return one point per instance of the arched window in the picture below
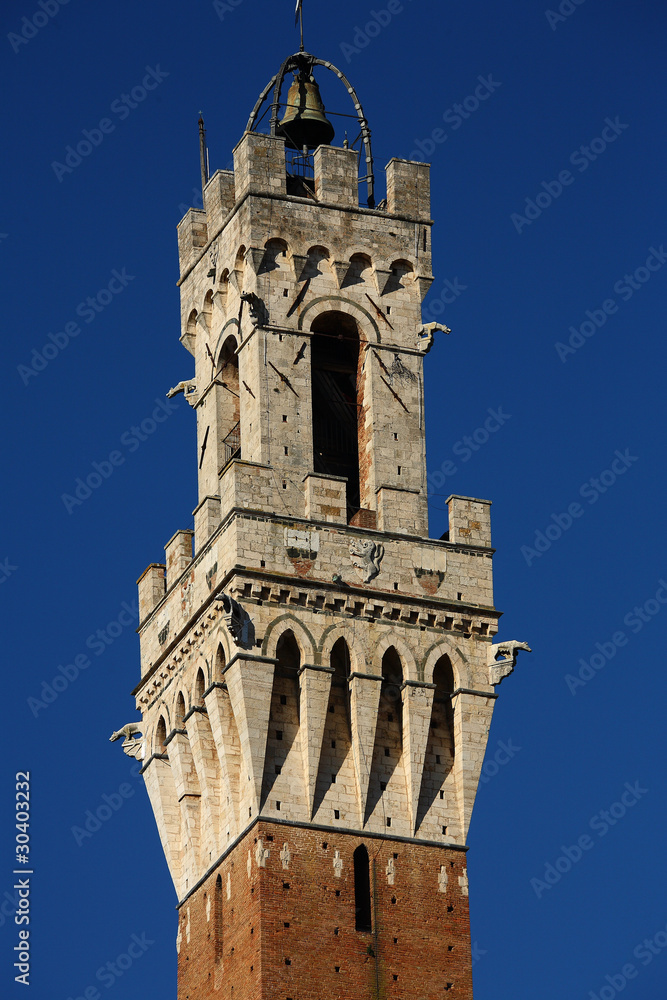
(337, 400)
(391, 699)
(443, 678)
(340, 661)
(362, 890)
(316, 262)
(220, 663)
(207, 308)
(275, 257)
(217, 918)
(437, 809)
(200, 687)
(360, 270)
(229, 400)
(160, 735)
(223, 287)
(284, 718)
(180, 712)
(191, 332)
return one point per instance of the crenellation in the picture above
(219, 199)
(409, 190)
(192, 236)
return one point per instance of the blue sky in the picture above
(545, 129)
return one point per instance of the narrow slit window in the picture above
(362, 890)
(218, 919)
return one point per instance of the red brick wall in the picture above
(419, 944)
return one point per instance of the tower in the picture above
(317, 674)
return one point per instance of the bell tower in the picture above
(317, 674)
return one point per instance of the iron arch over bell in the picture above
(302, 63)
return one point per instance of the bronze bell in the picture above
(305, 122)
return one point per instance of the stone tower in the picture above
(317, 674)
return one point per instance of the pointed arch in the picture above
(219, 664)
(437, 810)
(461, 668)
(283, 735)
(200, 687)
(180, 709)
(387, 767)
(303, 637)
(393, 638)
(160, 736)
(328, 640)
(225, 736)
(336, 763)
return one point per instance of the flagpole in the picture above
(301, 21)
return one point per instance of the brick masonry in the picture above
(286, 927)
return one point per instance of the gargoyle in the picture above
(133, 744)
(237, 621)
(501, 659)
(366, 558)
(189, 389)
(425, 335)
(258, 311)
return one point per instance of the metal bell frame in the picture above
(304, 62)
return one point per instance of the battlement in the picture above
(260, 170)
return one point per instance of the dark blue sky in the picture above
(550, 263)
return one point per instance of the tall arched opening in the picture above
(337, 401)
